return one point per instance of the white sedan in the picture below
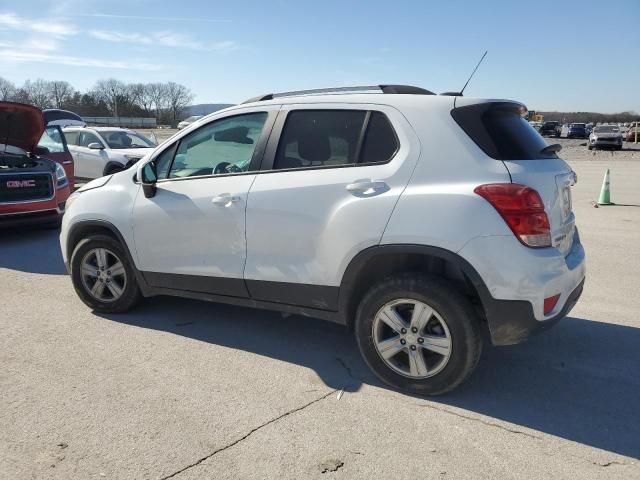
(99, 151)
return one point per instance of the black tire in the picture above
(453, 308)
(130, 293)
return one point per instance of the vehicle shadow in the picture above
(578, 381)
(31, 249)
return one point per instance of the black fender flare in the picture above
(103, 224)
(112, 164)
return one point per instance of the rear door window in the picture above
(334, 138)
(501, 132)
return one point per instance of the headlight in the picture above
(61, 176)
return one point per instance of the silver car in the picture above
(605, 136)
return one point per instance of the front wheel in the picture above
(418, 334)
(103, 276)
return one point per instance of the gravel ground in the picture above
(189, 390)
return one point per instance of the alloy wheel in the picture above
(412, 338)
(103, 275)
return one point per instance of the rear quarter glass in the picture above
(501, 132)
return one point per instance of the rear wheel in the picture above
(418, 334)
(102, 275)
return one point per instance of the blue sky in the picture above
(552, 55)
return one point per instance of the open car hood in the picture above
(21, 125)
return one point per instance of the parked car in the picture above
(416, 219)
(33, 189)
(99, 151)
(631, 134)
(188, 121)
(550, 129)
(574, 130)
(605, 136)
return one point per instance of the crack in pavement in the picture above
(251, 432)
(484, 422)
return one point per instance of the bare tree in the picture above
(61, 92)
(178, 97)
(7, 90)
(38, 93)
(110, 91)
(157, 93)
(145, 98)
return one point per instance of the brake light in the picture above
(523, 210)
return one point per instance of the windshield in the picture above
(577, 125)
(607, 129)
(117, 139)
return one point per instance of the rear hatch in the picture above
(499, 129)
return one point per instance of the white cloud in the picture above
(13, 55)
(162, 38)
(47, 26)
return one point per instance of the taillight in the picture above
(522, 208)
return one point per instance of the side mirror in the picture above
(148, 178)
(95, 146)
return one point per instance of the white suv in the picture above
(99, 151)
(417, 220)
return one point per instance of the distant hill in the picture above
(204, 108)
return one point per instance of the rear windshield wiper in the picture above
(551, 149)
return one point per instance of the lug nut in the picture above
(413, 347)
(414, 329)
(421, 340)
(403, 330)
(402, 341)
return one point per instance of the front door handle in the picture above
(367, 186)
(225, 199)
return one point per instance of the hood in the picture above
(21, 125)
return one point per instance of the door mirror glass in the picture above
(95, 146)
(149, 178)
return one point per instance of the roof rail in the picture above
(390, 89)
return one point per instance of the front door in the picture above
(191, 234)
(90, 162)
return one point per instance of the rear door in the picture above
(331, 178)
(499, 129)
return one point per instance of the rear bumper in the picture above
(512, 321)
(518, 279)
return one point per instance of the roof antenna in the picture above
(474, 71)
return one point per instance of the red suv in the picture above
(33, 188)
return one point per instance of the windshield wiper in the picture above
(550, 149)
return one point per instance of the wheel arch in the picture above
(375, 263)
(84, 228)
(112, 166)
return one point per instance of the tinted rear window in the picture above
(501, 132)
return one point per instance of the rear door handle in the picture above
(367, 186)
(225, 199)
